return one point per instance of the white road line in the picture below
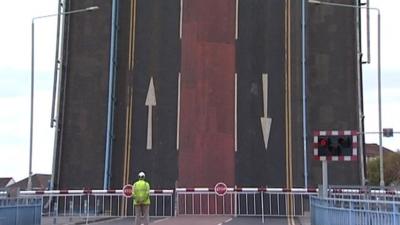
(180, 20)
(158, 221)
(228, 220)
(235, 112)
(237, 20)
(265, 93)
(107, 221)
(178, 114)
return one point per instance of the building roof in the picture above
(4, 181)
(39, 182)
(372, 150)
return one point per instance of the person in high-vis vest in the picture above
(141, 199)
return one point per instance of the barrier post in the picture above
(236, 201)
(56, 211)
(350, 212)
(17, 212)
(395, 211)
(176, 203)
(262, 206)
(324, 179)
(86, 208)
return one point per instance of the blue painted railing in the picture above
(334, 211)
(20, 211)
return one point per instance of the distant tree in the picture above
(373, 172)
(392, 168)
(391, 163)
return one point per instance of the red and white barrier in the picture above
(208, 190)
(262, 189)
(87, 191)
(296, 190)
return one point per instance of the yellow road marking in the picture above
(130, 40)
(124, 178)
(286, 97)
(132, 36)
(290, 96)
(291, 204)
(126, 139)
(130, 133)
(127, 147)
(288, 113)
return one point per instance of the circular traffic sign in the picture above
(220, 189)
(127, 190)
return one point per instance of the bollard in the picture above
(87, 210)
(56, 212)
(98, 207)
(85, 207)
(176, 204)
(262, 207)
(71, 210)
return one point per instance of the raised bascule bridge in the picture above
(248, 93)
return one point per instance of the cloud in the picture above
(15, 44)
(15, 64)
(14, 135)
(389, 35)
(13, 161)
(390, 96)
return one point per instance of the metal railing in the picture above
(244, 202)
(20, 211)
(3, 194)
(337, 211)
(365, 193)
(254, 202)
(98, 203)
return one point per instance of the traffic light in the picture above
(388, 132)
(335, 145)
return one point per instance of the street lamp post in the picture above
(29, 185)
(382, 182)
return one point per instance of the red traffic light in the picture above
(335, 145)
(323, 142)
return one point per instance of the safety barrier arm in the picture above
(87, 191)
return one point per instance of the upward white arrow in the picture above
(150, 102)
(265, 120)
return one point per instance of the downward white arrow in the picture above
(265, 120)
(150, 102)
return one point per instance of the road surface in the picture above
(210, 220)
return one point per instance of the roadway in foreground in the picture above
(208, 220)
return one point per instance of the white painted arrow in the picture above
(265, 120)
(150, 102)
